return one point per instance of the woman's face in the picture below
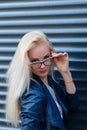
(37, 54)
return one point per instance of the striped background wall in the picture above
(65, 23)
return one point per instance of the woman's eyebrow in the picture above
(37, 59)
(34, 59)
(48, 54)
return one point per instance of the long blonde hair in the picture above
(19, 73)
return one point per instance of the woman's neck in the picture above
(45, 80)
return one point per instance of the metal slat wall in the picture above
(65, 23)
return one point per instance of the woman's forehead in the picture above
(39, 50)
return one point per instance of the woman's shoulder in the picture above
(33, 100)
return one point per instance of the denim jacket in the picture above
(38, 109)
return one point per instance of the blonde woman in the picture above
(32, 90)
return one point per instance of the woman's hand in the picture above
(62, 61)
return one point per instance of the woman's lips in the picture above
(43, 71)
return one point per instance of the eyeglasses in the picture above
(37, 64)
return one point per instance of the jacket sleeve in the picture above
(32, 109)
(70, 100)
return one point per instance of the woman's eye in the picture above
(34, 60)
(46, 57)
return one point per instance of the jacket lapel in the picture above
(55, 85)
(52, 112)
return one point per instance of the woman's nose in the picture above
(42, 65)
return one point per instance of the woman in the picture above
(43, 104)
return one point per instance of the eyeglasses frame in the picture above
(41, 62)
